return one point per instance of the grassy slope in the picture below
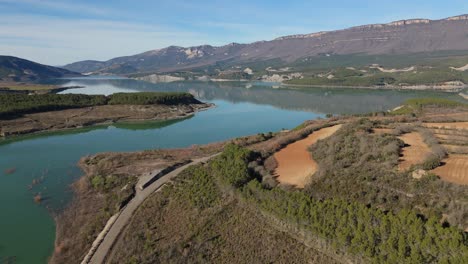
(431, 68)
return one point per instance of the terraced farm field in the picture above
(454, 169)
(451, 125)
(414, 152)
(295, 163)
(453, 137)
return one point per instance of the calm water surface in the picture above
(27, 229)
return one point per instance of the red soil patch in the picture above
(454, 170)
(416, 151)
(295, 163)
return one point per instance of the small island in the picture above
(24, 114)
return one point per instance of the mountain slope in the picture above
(400, 37)
(17, 69)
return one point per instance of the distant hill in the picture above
(21, 70)
(399, 37)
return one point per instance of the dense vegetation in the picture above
(147, 98)
(12, 105)
(366, 233)
(415, 105)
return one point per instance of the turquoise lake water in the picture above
(27, 229)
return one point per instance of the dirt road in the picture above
(104, 248)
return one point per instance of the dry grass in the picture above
(383, 130)
(295, 164)
(454, 169)
(414, 152)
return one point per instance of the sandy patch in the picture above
(394, 70)
(415, 152)
(454, 170)
(295, 163)
(463, 68)
(452, 125)
(465, 96)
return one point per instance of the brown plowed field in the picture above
(454, 170)
(416, 151)
(295, 163)
(452, 125)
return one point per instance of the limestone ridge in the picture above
(398, 37)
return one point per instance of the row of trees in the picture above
(148, 98)
(12, 105)
(368, 233)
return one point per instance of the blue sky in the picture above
(57, 32)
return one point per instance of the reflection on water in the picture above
(318, 100)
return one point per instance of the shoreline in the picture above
(189, 111)
(39, 90)
(72, 219)
(419, 87)
(457, 89)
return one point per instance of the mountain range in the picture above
(13, 69)
(399, 37)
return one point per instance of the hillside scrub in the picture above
(13, 105)
(365, 232)
(417, 105)
(198, 219)
(359, 165)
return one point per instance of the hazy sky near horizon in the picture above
(57, 32)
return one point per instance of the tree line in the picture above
(13, 105)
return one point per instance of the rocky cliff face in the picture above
(399, 37)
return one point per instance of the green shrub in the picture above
(98, 182)
(232, 165)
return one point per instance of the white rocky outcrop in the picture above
(463, 68)
(156, 78)
(248, 71)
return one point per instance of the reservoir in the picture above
(46, 163)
